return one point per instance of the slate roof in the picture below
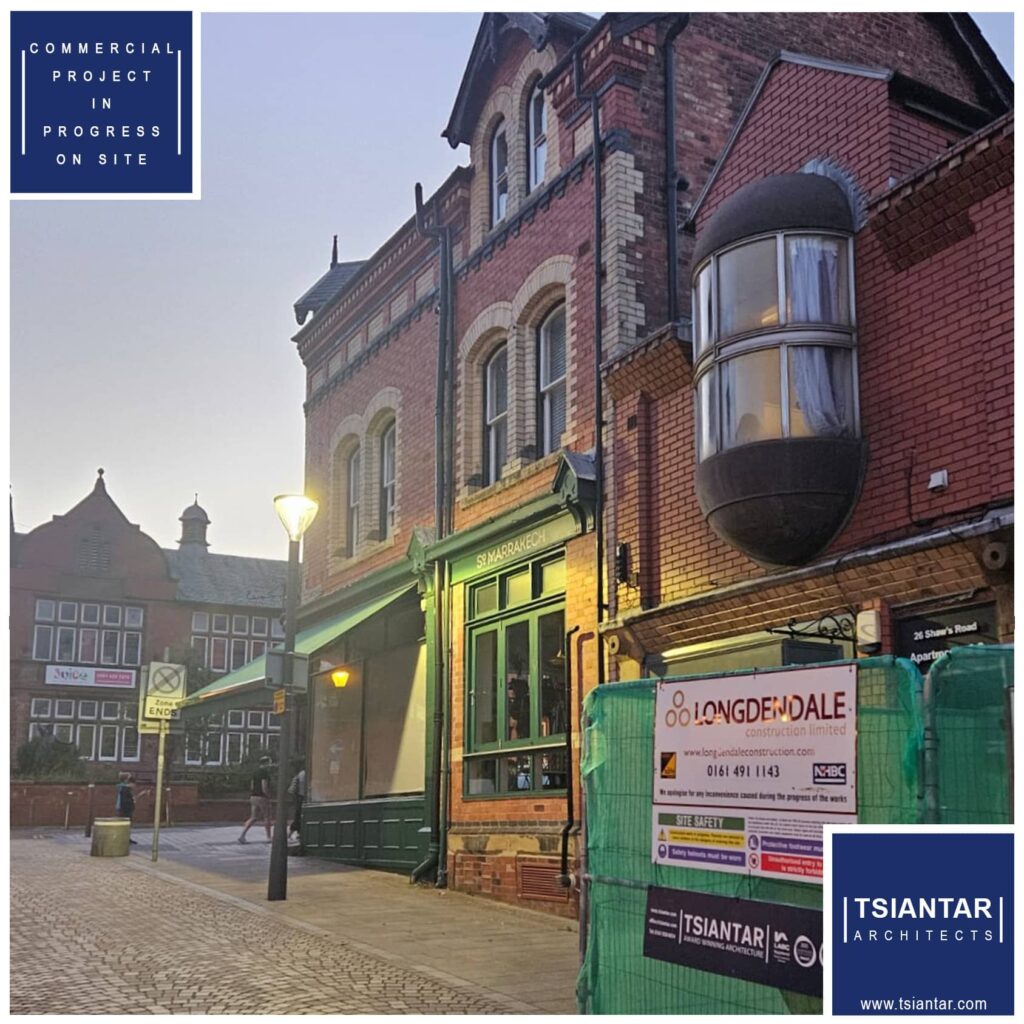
(327, 288)
(207, 578)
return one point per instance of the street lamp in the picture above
(296, 512)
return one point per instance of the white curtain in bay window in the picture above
(821, 375)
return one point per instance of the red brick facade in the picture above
(932, 334)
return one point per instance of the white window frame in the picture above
(90, 754)
(130, 617)
(63, 707)
(546, 388)
(388, 479)
(492, 471)
(112, 615)
(103, 647)
(243, 628)
(234, 663)
(353, 468)
(222, 666)
(38, 632)
(214, 747)
(253, 742)
(260, 625)
(259, 648)
(64, 731)
(40, 707)
(89, 614)
(235, 739)
(254, 720)
(273, 722)
(499, 177)
(193, 747)
(95, 633)
(205, 645)
(106, 715)
(44, 615)
(62, 633)
(125, 756)
(538, 136)
(276, 629)
(218, 616)
(100, 733)
(124, 649)
(236, 719)
(72, 615)
(88, 709)
(200, 622)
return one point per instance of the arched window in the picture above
(353, 496)
(495, 415)
(537, 137)
(499, 173)
(551, 381)
(387, 481)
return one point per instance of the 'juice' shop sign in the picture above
(749, 768)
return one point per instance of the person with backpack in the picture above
(297, 790)
(259, 798)
(124, 797)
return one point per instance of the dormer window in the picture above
(499, 174)
(537, 137)
(775, 367)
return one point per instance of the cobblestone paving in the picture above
(95, 935)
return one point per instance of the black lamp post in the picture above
(296, 512)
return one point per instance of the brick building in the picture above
(94, 599)
(483, 554)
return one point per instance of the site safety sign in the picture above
(749, 767)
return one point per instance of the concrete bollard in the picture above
(110, 837)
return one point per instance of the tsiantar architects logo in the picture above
(922, 922)
(101, 102)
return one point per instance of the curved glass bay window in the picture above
(779, 456)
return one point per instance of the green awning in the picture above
(251, 677)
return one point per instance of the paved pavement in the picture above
(195, 934)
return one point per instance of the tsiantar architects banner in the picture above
(101, 102)
(748, 769)
(769, 943)
(922, 923)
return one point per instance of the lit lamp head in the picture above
(296, 512)
(340, 677)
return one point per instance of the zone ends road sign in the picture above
(165, 690)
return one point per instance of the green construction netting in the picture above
(617, 768)
(973, 689)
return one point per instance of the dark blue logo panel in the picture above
(922, 923)
(101, 102)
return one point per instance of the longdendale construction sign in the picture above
(747, 769)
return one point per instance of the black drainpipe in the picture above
(564, 878)
(672, 179)
(595, 120)
(444, 312)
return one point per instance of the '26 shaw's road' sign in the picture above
(769, 943)
(748, 768)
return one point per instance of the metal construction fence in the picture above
(968, 757)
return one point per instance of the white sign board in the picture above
(165, 690)
(76, 675)
(747, 769)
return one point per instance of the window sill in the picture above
(341, 563)
(470, 498)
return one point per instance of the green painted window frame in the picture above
(500, 622)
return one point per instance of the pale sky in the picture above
(153, 338)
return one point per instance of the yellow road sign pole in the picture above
(159, 789)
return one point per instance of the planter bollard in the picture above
(110, 837)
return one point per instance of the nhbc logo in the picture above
(829, 773)
(922, 919)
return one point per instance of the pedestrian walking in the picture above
(297, 790)
(259, 798)
(124, 797)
